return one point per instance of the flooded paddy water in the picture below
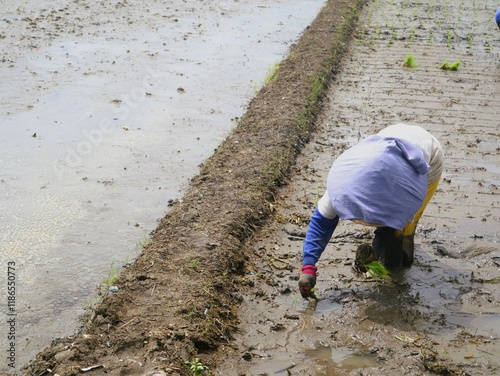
(107, 109)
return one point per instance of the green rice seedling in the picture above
(416, 9)
(394, 36)
(453, 67)
(448, 39)
(377, 270)
(459, 15)
(470, 40)
(429, 7)
(417, 298)
(376, 34)
(313, 300)
(412, 35)
(410, 62)
(362, 34)
(197, 367)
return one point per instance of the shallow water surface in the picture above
(347, 359)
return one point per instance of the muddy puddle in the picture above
(344, 357)
(107, 111)
(442, 315)
(330, 359)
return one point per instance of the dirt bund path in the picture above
(179, 299)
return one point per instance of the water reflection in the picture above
(344, 358)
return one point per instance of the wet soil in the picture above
(218, 281)
(441, 316)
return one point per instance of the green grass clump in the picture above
(272, 73)
(410, 62)
(377, 270)
(447, 66)
(197, 367)
(114, 270)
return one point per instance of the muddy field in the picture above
(219, 280)
(442, 316)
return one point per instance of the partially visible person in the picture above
(385, 181)
(497, 17)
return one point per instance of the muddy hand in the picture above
(306, 284)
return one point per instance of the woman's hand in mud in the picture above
(306, 284)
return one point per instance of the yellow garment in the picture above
(411, 226)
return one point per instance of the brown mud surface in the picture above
(219, 279)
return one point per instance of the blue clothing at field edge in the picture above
(317, 237)
(497, 17)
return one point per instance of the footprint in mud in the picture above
(471, 251)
